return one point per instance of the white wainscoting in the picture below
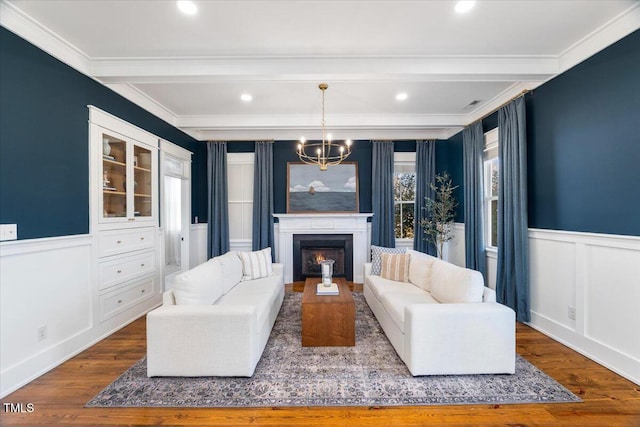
(599, 276)
(453, 251)
(48, 282)
(198, 247)
(44, 282)
(241, 245)
(198, 244)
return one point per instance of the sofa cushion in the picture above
(453, 284)
(395, 267)
(231, 270)
(199, 286)
(256, 264)
(376, 251)
(379, 286)
(259, 293)
(395, 302)
(420, 269)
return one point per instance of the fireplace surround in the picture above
(354, 224)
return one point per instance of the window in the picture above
(491, 175)
(240, 193)
(404, 194)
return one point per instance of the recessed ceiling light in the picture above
(246, 97)
(401, 96)
(187, 7)
(465, 6)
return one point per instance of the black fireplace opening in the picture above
(310, 249)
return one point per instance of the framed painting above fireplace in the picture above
(310, 190)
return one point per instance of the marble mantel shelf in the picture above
(323, 223)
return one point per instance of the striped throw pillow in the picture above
(375, 257)
(256, 265)
(395, 267)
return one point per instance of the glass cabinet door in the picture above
(114, 177)
(142, 182)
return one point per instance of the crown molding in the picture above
(617, 28)
(143, 100)
(496, 102)
(18, 22)
(288, 134)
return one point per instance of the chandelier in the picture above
(325, 153)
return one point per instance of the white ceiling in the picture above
(191, 70)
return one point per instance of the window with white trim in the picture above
(404, 194)
(240, 196)
(491, 176)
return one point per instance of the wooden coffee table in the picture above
(328, 320)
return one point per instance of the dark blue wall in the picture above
(584, 145)
(449, 160)
(44, 160)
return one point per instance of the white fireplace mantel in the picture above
(322, 223)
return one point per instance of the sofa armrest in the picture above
(465, 338)
(367, 270)
(489, 295)
(202, 340)
(168, 298)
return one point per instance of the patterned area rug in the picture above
(369, 374)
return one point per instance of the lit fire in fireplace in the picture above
(317, 257)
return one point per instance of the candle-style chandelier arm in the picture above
(312, 153)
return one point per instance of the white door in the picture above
(175, 219)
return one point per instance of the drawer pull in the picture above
(142, 238)
(142, 291)
(141, 265)
(119, 301)
(119, 271)
(119, 241)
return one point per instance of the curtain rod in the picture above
(522, 93)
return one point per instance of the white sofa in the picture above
(443, 321)
(213, 323)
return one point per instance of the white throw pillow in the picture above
(452, 284)
(395, 267)
(231, 270)
(420, 268)
(257, 264)
(199, 286)
(376, 251)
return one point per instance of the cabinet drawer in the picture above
(122, 241)
(123, 269)
(116, 302)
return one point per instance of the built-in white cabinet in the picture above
(128, 178)
(124, 199)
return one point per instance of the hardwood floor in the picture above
(59, 396)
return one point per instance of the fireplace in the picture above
(310, 249)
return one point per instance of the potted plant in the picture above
(440, 213)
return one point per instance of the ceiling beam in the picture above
(382, 68)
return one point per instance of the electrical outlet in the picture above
(571, 312)
(8, 232)
(42, 333)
